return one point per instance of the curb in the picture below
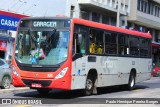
(13, 89)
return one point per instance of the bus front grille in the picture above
(44, 83)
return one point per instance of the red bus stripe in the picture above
(110, 28)
(12, 14)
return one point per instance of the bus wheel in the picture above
(43, 91)
(6, 82)
(89, 85)
(131, 82)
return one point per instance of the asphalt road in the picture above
(147, 89)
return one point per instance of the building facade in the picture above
(145, 16)
(8, 26)
(105, 11)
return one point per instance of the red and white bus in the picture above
(63, 53)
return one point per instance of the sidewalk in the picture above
(12, 88)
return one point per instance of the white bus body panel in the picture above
(110, 70)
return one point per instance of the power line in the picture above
(24, 2)
(29, 9)
(14, 5)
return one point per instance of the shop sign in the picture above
(8, 22)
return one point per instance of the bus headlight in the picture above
(62, 73)
(15, 72)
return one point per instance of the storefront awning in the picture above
(156, 44)
(6, 38)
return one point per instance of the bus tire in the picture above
(89, 85)
(6, 82)
(43, 91)
(131, 82)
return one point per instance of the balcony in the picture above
(145, 13)
(110, 5)
(148, 19)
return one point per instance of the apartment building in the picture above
(145, 16)
(105, 11)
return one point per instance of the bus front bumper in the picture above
(41, 83)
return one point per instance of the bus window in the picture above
(123, 46)
(96, 41)
(110, 43)
(79, 43)
(79, 39)
(144, 47)
(134, 46)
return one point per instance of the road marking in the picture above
(14, 89)
(23, 106)
(137, 90)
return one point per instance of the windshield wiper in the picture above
(32, 36)
(52, 33)
(48, 39)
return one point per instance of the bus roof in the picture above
(110, 28)
(96, 25)
(36, 18)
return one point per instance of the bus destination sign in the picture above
(44, 24)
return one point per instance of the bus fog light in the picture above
(62, 73)
(15, 72)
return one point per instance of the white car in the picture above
(5, 75)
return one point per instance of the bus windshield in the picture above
(41, 47)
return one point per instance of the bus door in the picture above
(79, 58)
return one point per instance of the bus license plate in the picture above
(36, 85)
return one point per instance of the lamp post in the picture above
(118, 12)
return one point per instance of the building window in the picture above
(85, 14)
(105, 19)
(145, 7)
(138, 5)
(129, 25)
(157, 10)
(113, 21)
(149, 7)
(72, 11)
(95, 17)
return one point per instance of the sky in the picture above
(34, 7)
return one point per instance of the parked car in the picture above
(156, 70)
(5, 75)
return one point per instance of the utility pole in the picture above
(118, 12)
